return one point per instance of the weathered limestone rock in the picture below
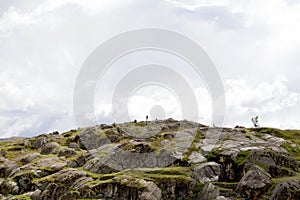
(254, 183)
(24, 181)
(99, 166)
(206, 172)
(60, 183)
(286, 190)
(45, 162)
(274, 140)
(151, 191)
(79, 161)
(8, 187)
(56, 167)
(74, 145)
(159, 159)
(39, 142)
(91, 138)
(141, 146)
(196, 157)
(68, 152)
(35, 195)
(51, 147)
(7, 167)
(147, 190)
(29, 158)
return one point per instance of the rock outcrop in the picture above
(286, 190)
(162, 159)
(207, 172)
(254, 183)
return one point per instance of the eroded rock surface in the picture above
(162, 159)
(207, 172)
(286, 190)
(254, 183)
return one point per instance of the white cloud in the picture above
(273, 102)
(17, 125)
(144, 100)
(269, 100)
(13, 18)
(43, 45)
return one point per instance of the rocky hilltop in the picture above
(163, 159)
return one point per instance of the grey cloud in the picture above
(39, 61)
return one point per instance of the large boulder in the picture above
(68, 152)
(206, 172)
(273, 161)
(286, 190)
(254, 183)
(51, 147)
(29, 158)
(46, 162)
(39, 142)
(91, 138)
(99, 166)
(7, 167)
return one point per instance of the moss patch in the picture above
(242, 157)
(213, 155)
(21, 197)
(197, 188)
(166, 170)
(285, 178)
(290, 148)
(248, 136)
(292, 135)
(198, 136)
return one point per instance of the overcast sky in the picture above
(254, 44)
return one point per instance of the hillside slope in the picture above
(164, 159)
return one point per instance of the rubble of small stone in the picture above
(162, 159)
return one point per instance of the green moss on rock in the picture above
(242, 157)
